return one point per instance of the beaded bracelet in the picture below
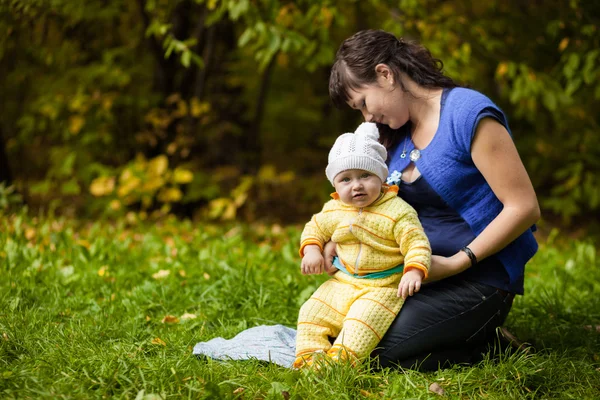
(471, 255)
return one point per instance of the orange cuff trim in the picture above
(417, 266)
(308, 242)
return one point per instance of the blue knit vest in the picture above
(447, 166)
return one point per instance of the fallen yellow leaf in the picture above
(158, 340)
(189, 316)
(206, 276)
(163, 273)
(170, 319)
(29, 233)
(182, 273)
(148, 318)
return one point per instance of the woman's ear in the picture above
(384, 74)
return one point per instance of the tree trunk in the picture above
(5, 173)
(167, 69)
(207, 55)
(164, 68)
(252, 144)
(191, 74)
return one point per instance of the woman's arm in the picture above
(496, 157)
(328, 253)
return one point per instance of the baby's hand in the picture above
(410, 283)
(312, 262)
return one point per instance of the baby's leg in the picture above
(368, 319)
(321, 317)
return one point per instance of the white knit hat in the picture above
(358, 150)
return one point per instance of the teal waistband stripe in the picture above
(375, 275)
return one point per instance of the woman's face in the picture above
(383, 101)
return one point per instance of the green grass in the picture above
(80, 317)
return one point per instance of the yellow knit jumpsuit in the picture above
(358, 311)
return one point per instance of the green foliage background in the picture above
(219, 108)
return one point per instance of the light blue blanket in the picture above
(272, 343)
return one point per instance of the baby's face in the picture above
(357, 187)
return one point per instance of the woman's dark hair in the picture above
(358, 55)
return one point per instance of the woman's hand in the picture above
(328, 253)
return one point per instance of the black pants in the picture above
(447, 322)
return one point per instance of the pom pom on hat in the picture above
(369, 130)
(359, 150)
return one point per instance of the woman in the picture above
(452, 155)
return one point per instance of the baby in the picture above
(382, 254)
